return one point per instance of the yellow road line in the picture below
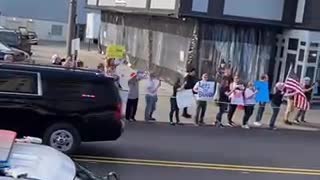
(196, 164)
(198, 167)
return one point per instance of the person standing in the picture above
(276, 101)
(189, 82)
(174, 109)
(153, 86)
(262, 97)
(236, 98)
(223, 101)
(249, 103)
(300, 117)
(201, 105)
(133, 97)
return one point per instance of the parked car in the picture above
(33, 38)
(26, 159)
(63, 106)
(12, 54)
(15, 40)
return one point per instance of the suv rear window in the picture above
(18, 82)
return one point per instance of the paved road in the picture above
(159, 151)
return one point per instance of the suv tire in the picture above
(63, 137)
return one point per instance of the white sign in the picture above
(206, 91)
(75, 45)
(185, 99)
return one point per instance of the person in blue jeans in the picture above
(153, 85)
(276, 102)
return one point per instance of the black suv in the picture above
(62, 106)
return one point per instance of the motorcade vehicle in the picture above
(63, 106)
(12, 54)
(26, 159)
(15, 40)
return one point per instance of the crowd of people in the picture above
(230, 94)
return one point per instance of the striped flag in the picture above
(292, 84)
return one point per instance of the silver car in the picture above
(27, 159)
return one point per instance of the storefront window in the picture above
(310, 72)
(301, 55)
(312, 57)
(293, 44)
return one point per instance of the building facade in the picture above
(253, 36)
(48, 18)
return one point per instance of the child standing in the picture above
(249, 103)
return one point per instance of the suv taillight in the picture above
(118, 114)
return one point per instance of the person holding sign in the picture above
(236, 98)
(206, 91)
(263, 97)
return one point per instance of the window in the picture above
(291, 61)
(281, 52)
(299, 70)
(279, 71)
(312, 58)
(293, 44)
(310, 72)
(18, 82)
(313, 44)
(301, 55)
(303, 43)
(56, 30)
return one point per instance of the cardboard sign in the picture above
(185, 99)
(263, 95)
(116, 51)
(206, 91)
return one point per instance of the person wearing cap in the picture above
(308, 87)
(133, 96)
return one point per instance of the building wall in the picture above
(46, 30)
(48, 10)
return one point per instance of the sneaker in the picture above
(297, 121)
(133, 120)
(152, 119)
(258, 124)
(245, 126)
(188, 116)
(287, 122)
(228, 125)
(172, 124)
(272, 128)
(180, 124)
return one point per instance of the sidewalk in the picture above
(45, 50)
(163, 108)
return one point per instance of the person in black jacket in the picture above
(174, 105)
(189, 82)
(223, 101)
(276, 102)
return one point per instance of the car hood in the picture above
(41, 162)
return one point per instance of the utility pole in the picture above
(71, 25)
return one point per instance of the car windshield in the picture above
(9, 38)
(84, 174)
(4, 47)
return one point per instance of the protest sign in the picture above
(185, 99)
(116, 51)
(206, 91)
(263, 95)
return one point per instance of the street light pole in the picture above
(71, 25)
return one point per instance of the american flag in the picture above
(292, 85)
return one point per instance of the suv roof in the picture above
(51, 68)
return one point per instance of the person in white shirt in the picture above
(236, 98)
(153, 86)
(249, 103)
